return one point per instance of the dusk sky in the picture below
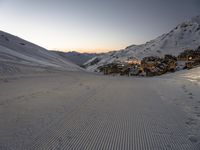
(93, 25)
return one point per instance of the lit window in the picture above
(190, 58)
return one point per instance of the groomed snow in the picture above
(74, 110)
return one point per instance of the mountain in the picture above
(185, 36)
(76, 57)
(18, 55)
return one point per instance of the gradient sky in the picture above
(93, 25)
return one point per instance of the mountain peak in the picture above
(196, 19)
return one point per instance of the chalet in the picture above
(135, 70)
(171, 62)
(112, 68)
(191, 58)
(132, 67)
(192, 64)
(189, 55)
(125, 71)
(153, 66)
(149, 65)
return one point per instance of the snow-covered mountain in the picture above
(18, 55)
(184, 36)
(76, 57)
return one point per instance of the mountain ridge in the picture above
(184, 36)
(17, 54)
(76, 57)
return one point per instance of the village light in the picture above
(190, 58)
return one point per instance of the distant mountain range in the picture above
(18, 55)
(184, 36)
(76, 57)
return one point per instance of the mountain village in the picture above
(153, 65)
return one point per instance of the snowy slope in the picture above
(184, 36)
(182, 90)
(16, 52)
(84, 111)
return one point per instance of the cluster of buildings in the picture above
(190, 57)
(154, 66)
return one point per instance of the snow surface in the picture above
(16, 52)
(77, 110)
(184, 36)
